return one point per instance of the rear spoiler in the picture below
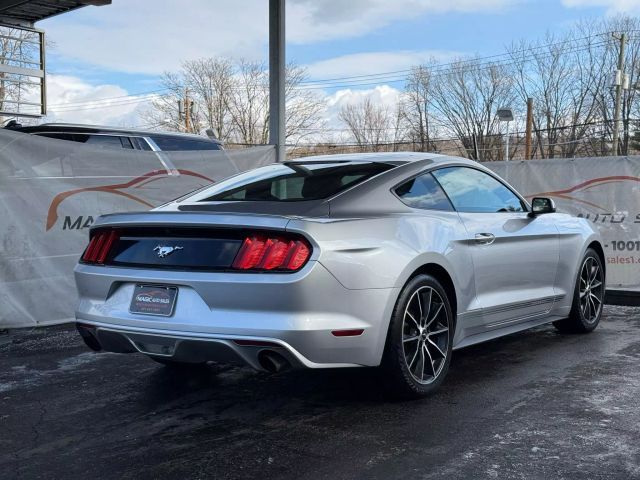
(192, 219)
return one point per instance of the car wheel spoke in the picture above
(434, 345)
(438, 332)
(427, 308)
(415, 355)
(433, 368)
(419, 298)
(413, 319)
(594, 272)
(591, 291)
(420, 371)
(435, 315)
(425, 334)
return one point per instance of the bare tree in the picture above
(248, 103)
(304, 109)
(467, 96)
(563, 75)
(163, 113)
(209, 81)
(18, 48)
(416, 106)
(232, 99)
(370, 125)
(606, 95)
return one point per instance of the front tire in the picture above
(588, 297)
(419, 343)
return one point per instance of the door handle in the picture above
(485, 238)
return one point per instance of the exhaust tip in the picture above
(273, 362)
(88, 335)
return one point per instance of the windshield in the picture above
(293, 181)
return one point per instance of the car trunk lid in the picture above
(200, 241)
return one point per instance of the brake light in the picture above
(261, 252)
(99, 247)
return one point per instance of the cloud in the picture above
(73, 100)
(371, 62)
(379, 95)
(612, 6)
(318, 20)
(76, 101)
(151, 36)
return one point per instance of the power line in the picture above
(386, 77)
(458, 62)
(472, 64)
(456, 67)
(107, 99)
(104, 106)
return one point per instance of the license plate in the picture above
(154, 300)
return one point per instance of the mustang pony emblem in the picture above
(164, 251)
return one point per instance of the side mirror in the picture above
(541, 205)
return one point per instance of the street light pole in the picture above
(619, 80)
(506, 146)
(506, 115)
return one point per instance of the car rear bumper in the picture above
(178, 346)
(218, 315)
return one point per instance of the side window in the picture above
(172, 144)
(126, 143)
(424, 192)
(141, 143)
(100, 141)
(59, 136)
(471, 190)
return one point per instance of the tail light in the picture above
(262, 252)
(99, 247)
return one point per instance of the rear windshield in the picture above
(294, 181)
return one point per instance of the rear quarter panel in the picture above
(383, 252)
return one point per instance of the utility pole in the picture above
(527, 150)
(476, 151)
(619, 81)
(187, 113)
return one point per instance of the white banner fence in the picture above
(605, 190)
(52, 190)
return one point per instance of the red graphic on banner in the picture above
(586, 185)
(116, 189)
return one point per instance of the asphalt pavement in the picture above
(535, 405)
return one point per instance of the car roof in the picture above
(77, 128)
(393, 158)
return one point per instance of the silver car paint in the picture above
(367, 244)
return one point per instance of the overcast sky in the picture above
(121, 49)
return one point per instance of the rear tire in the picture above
(419, 343)
(588, 297)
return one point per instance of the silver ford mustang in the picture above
(390, 260)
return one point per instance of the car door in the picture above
(515, 256)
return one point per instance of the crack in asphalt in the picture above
(35, 427)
